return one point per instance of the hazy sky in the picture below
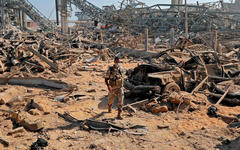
(47, 7)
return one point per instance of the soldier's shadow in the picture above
(104, 106)
(104, 103)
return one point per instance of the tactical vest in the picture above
(115, 78)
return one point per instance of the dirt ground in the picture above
(187, 130)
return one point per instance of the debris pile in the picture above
(39, 52)
(187, 70)
(28, 52)
(175, 101)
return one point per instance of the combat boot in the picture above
(119, 114)
(109, 108)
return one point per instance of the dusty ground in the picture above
(187, 130)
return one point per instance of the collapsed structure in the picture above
(157, 18)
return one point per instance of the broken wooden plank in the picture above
(34, 65)
(130, 109)
(45, 59)
(223, 96)
(218, 78)
(135, 103)
(162, 127)
(199, 85)
(233, 101)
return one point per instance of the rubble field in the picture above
(53, 94)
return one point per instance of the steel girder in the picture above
(158, 18)
(31, 11)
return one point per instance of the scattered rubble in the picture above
(4, 142)
(27, 121)
(17, 130)
(40, 143)
(2, 101)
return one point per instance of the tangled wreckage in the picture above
(186, 70)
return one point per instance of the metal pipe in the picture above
(146, 39)
(186, 20)
(57, 10)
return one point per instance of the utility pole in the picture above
(146, 39)
(64, 16)
(216, 41)
(171, 41)
(57, 10)
(186, 20)
(2, 24)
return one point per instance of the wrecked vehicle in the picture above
(181, 71)
(176, 71)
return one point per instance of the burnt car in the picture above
(174, 71)
(183, 71)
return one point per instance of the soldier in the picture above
(114, 82)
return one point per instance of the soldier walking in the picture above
(114, 82)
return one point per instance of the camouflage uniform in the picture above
(116, 82)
